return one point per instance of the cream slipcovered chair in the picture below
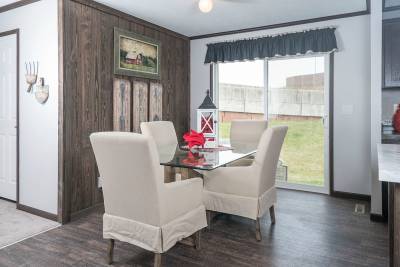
(163, 133)
(247, 191)
(139, 208)
(243, 131)
(246, 132)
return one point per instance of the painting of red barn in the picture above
(136, 55)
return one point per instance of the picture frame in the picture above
(390, 5)
(136, 55)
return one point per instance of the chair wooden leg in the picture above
(157, 259)
(196, 240)
(110, 251)
(272, 214)
(209, 217)
(258, 230)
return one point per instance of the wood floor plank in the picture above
(311, 230)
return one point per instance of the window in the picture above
(285, 91)
(240, 94)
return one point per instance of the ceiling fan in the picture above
(206, 6)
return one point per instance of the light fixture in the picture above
(205, 5)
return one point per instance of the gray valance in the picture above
(298, 43)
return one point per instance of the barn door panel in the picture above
(122, 105)
(155, 112)
(140, 104)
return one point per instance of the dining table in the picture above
(193, 162)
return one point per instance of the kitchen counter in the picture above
(389, 173)
(393, 138)
(389, 163)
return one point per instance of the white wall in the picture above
(38, 123)
(376, 102)
(352, 148)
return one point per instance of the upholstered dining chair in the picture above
(163, 132)
(164, 135)
(246, 132)
(139, 208)
(247, 191)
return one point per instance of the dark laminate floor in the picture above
(311, 230)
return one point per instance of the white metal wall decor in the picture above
(42, 92)
(207, 119)
(31, 74)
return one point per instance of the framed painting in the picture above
(136, 55)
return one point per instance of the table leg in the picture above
(178, 174)
(169, 174)
(189, 173)
(172, 174)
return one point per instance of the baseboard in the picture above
(6, 199)
(40, 213)
(350, 195)
(84, 212)
(378, 218)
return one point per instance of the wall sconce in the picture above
(41, 92)
(31, 74)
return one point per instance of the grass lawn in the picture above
(302, 152)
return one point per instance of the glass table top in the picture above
(200, 159)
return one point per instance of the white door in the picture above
(8, 117)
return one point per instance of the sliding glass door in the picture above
(285, 91)
(298, 97)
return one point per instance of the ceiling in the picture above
(184, 16)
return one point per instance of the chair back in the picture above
(131, 175)
(247, 131)
(163, 133)
(267, 156)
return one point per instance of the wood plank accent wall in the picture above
(87, 90)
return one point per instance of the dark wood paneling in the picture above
(140, 25)
(391, 53)
(88, 90)
(394, 224)
(391, 224)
